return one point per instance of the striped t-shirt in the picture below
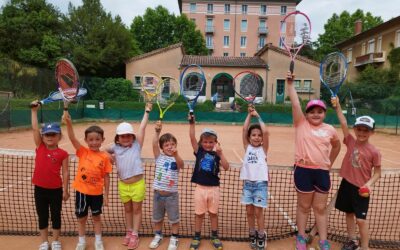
(166, 174)
(128, 160)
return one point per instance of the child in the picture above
(50, 189)
(90, 180)
(254, 173)
(361, 157)
(166, 198)
(131, 186)
(209, 157)
(316, 148)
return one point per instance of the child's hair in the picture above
(207, 135)
(116, 138)
(253, 126)
(166, 138)
(94, 129)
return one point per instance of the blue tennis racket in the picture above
(57, 96)
(192, 81)
(333, 71)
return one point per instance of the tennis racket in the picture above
(167, 93)
(353, 108)
(67, 78)
(192, 81)
(57, 96)
(150, 82)
(295, 33)
(333, 71)
(247, 85)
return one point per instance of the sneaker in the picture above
(156, 241)
(253, 241)
(56, 245)
(44, 246)
(99, 245)
(80, 246)
(301, 243)
(134, 242)
(217, 244)
(195, 244)
(127, 238)
(173, 243)
(351, 245)
(324, 245)
(261, 242)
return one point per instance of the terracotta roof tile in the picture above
(224, 61)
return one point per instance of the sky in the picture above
(319, 11)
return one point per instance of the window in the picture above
(210, 8)
(226, 54)
(349, 55)
(227, 24)
(263, 23)
(261, 41)
(397, 39)
(283, 27)
(371, 46)
(209, 42)
(192, 7)
(244, 9)
(297, 84)
(283, 10)
(242, 54)
(363, 49)
(379, 44)
(307, 84)
(226, 41)
(281, 43)
(209, 25)
(263, 9)
(243, 41)
(136, 80)
(227, 8)
(243, 26)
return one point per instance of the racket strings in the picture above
(149, 86)
(249, 85)
(193, 84)
(168, 92)
(334, 70)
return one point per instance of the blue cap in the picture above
(51, 128)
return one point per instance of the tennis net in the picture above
(18, 214)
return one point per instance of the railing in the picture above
(378, 57)
(209, 29)
(262, 30)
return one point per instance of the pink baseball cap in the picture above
(313, 103)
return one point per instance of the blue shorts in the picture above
(84, 201)
(255, 193)
(166, 203)
(310, 180)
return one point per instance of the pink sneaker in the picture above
(133, 242)
(300, 243)
(127, 238)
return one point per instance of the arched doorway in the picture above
(222, 86)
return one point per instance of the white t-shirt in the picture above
(255, 166)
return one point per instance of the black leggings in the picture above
(45, 199)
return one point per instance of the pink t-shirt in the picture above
(358, 162)
(313, 144)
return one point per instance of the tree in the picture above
(158, 28)
(340, 28)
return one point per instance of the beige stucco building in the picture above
(270, 63)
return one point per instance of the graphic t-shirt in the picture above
(255, 166)
(206, 169)
(166, 174)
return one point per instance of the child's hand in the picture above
(290, 77)
(250, 108)
(66, 118)
(335, 101)
(218, 149)
(35, 105)
(174, 152)
(158, 126)
(65, 195)
(149, 106)
(191, 118)
(254, 113)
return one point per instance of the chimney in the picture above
(357, 27)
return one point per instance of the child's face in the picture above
(94, 141)
(126, 140)
(169, 148)
(51, 139)
(208, 143)
(362, 133)
(316, 116)
(256, 137)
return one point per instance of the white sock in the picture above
(98, 237)
(82, 239)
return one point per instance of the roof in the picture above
(155, 52)
(269, 46)
(224, 61)
(370, 32)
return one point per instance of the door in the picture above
(280, 91)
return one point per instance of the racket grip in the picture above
(291, 67)
(33, 105)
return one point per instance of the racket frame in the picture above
(246, 99)
(191, 102)
(159, 92)
(72, 92)
(334, 90)
(150, 96)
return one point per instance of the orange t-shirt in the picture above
(92, 168)
(313, 144)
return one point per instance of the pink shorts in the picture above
(206, 199)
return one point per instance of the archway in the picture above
(223, 87)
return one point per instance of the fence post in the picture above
(397, 117)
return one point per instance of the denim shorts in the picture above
(255, 193)
(166, 203)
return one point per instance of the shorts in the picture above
(349, 201)
(84, 201)
(206, 199)
(166, 203)
(255, 193)
(310, 180)
(132, 192)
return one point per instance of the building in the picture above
(370, 47)
(238, 28)
(270, 63)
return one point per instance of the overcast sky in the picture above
(318, 10)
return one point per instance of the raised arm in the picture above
(264, 130)
(246, 125)
(68, 121)
(143, 124)
(156, 137)
(297, 113)
(343, 122)
(224, 163)
(35, 125)
(192, 134)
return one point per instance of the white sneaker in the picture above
(56, 245)
(44, 246)
(98, 245)
(80, 246)
(156, 241)
(173, 243)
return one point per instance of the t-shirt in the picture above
(255, 166)
(166, 174)
(358, 161)
(128, 160)
(92, 167)
(313, 144)
(48, 163)
(206, 169)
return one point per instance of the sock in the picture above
(135, 233)
(260, 234)
(129, 232)
(214, 234)
(197, 235)
(175, 235)
(98, 237)
(82, 239)
(159, 232)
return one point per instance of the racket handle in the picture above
(291, 67)
(191, 119)
(34, 105)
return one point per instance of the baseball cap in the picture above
(315, 103)
(124, 128)
(365, 121)
(51, 128)
(209, 131)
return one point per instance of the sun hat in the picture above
(124, 128)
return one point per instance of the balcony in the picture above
(370, 58)
(262, 31)
(209, 29)
(210, 46)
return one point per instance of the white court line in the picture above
(387, 149)
(395, 162)
(237, 155)
(19, 182)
